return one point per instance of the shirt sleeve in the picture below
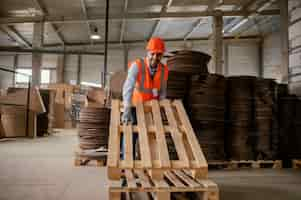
(163, 91)
(129, 85)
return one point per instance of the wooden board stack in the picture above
(151, 131)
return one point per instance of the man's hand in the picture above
(127, 116)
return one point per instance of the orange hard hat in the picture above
(156, 45)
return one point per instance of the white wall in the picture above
(272, 57)
(6, 78)
(243, 59)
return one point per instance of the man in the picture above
(146, 79)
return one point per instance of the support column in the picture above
(126, 57)
(283, 4)
(37, 42)
(79, 69)
(260, 59)
(60, 68)
(15, 68)
(217, 42)
(226, 61)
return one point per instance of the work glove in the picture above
(127, 116)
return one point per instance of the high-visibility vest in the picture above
(147, 88)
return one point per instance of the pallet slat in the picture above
(130, 179)
(144, 180)
(206, 189)
(143, 138)
(155, 121)
(175, 133)
(172, 178)
(196, 149)
(160, 135)
(128, 157)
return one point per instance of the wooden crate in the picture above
(138, 182)
(90, 158)
(255, 164)
(155, 119)
(296, 164)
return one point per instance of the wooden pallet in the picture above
(296, 164)
(152, 130)
(135, 183)
(90, 158)
(255, 164)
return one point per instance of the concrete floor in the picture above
(42, 169)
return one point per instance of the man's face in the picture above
(154, 58)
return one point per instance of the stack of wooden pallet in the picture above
(155, 171)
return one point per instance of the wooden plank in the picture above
(175, 133)
(128, 137)
(174, 164)
(160, 135)
(161, 184)
(114, 137)
(130, 179)
(143, 137)
(192, 139)
(143, 178)
(114, 196)
(188, 180)
(175, 180)
(20, 98)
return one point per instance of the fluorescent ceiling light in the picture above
(95, 37)
(90, 84)
(242, 22)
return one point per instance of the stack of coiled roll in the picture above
(207, 110)
(182, 65)
(93, 128)
(242, 136)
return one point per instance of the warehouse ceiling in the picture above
(71, 22)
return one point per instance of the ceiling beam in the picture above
(44, 10)
(85, 12)
(15, 35)
(122, 28)
(48, 51)
(214, 3)
(165, 6)
(194, 27)
(133, 42)
(132, 16)
(262, 6)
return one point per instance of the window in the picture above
(45, 76)
(21, 78)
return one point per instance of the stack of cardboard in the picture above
(62, 104)
(14, 112)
